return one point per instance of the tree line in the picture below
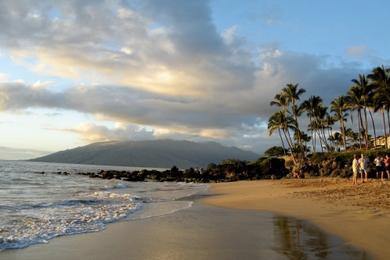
(353, 113)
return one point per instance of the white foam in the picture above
(65, 219)
(35, 208)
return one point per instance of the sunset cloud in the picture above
(163, 65)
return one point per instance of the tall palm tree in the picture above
(371, 109)
(311, 105)
(352, 136)
(283, 123)
(329, 121)
(339, 107)
(322, 123)
(293, 93)
(275, 123)
(365, 90)
(355, 104)
(280, 101)
(380, 79)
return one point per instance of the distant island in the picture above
(153, 153)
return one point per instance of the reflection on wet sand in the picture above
(298, 239)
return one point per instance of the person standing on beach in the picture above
(386, 162)
(378, 161)
(355, 169)
(363, 168)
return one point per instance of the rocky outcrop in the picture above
(229, 170)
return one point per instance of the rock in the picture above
(335, 173)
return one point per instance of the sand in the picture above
(359, 214)
(198, 233)
(237, 223)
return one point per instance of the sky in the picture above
(77, 72)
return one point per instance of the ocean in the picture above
(37, 204)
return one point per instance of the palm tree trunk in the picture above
(287, 140)
(313, 142)
(297, 124)
(320, 139)
(281, 139)
(384, 127)
(291, 140)
(343, 133)
(312, 138)
(359, 133)
(362, 127)
(373, 126)
(388, 122)
(325, 141)
(330, 136)
(352, 125)
(289, 144)
(366, 126)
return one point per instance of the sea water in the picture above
(36, 204)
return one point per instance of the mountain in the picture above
(154, 153)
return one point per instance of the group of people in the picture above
(360, 166)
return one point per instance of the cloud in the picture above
(223, 115)
(159, 64)
(7, 153)
(97, 133)
(358, 51)
(151, 46)
(3, 77)
(124, 104)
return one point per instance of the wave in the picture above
(66, 217)
(36, 208)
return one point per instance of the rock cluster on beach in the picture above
(326, 168)
(337, 164)
(229, 170)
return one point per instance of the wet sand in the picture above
(358, 214)
(200, 232)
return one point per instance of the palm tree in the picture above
(352, 136)
(328, 122)
(292, 92)
(371, 109)
(381, 101)
(380, 80)
(275, 123)
(322, 124)
(339, 107)
(280, 101)
(365, 90)
(283, 123)
(311, 106)
(337, 139)
(355, 103)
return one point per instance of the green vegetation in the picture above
(275, 151)
(353, 114)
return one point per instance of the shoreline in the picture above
(319, 201)
(199, 232)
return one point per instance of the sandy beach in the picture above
(236, 223)
(200, 232)
(358, 214)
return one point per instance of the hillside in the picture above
(155, 153)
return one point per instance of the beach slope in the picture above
(359, 214)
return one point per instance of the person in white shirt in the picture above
(355, 169)
(363, 163)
